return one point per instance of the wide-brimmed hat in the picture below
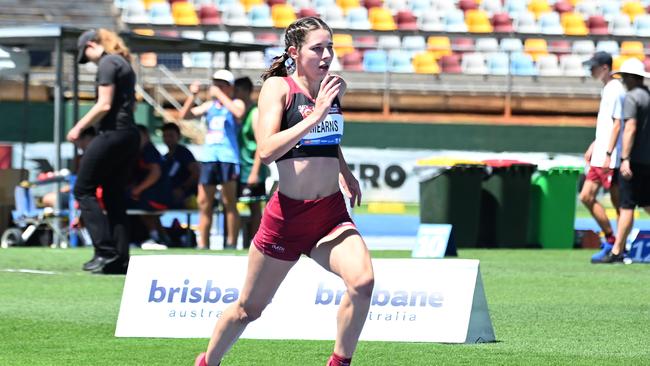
(82, 42)
(632, 66)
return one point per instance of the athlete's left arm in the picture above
(349, 183)
(96, 113)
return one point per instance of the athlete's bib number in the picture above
(216, 130)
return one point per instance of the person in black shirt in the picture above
(110, 156)
(183, 169)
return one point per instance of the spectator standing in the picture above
(635, 154)
(220, 157)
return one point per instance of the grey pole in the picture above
(58, 50)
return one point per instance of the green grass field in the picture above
(547, 307)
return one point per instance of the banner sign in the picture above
(415, 300)
(639, 248)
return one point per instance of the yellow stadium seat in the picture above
(184, 13)
(144, 32)
(574, 24)
(282, 15)
(381, 19)
(535, 47)
(478, 21)
(439, 46)
(347, 4)
(248, 4)
(539, 7)
(632, 9)
(618, 61)
(343, 44)
(147, 3)
(425, 63)
(633, 49)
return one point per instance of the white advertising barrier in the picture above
(415, 300)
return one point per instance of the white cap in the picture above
(224, 75)
(632, 66)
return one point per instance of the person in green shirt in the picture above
(251, 186)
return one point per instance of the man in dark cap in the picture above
(603, 155)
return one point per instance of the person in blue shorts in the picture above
(220, 157)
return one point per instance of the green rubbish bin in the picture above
(553, 207)
(505, 204)
(450, 193)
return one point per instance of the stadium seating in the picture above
(620, 25)
(357, 18)
(209, 15)
(497, 63)
(439, 46)
(381, 19)
(535, 47)
(571, 65)
(375, 61)
(184, 13)
(260, 16)
(425, 63)
(414, 43)
(548, 65)
(450, 64)
(283, 15)
(343, 44)
(161, 13)
(400, 61)
(522, 64)
(235, 14)
(633, 49)
(478, 21)
(135, 13)
(474, 63)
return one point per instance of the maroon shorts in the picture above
(291, 227)
(598, 175)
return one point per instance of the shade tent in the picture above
(60, 39)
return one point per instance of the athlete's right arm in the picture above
(273, 143)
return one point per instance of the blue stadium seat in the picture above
(497, 63)
(400, 61)
(642, 25)
(260, 16)
(201, 59)
(454, 21)
(375, 61)
(522, 64)
(516, 6)
(511, 45)
(414, 43)
(358, 18)
(610, 9)
(549, 23)
(609, 46)
(218, 36)
(161, 13)
(235, 14)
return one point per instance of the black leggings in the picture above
(107, 162)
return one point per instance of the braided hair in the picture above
(295, 35)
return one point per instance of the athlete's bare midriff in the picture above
(308, 178)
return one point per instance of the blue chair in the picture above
(609, 46)
(511, 45)
(400, 61)
(375, 61)
(642, 25)
(610, 9)
(516, 6)
(414, 43)
(260, 16)
(201, 59)
(161, 13)
(358, 18)
(549, 23)
(218, 36)
(522, 64)
(497, 63)
(454, 21)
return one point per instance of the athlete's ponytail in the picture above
(295, 35)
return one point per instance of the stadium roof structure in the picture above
(61, 39)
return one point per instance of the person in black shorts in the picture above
(635, 156)
(251, 186)
(110, 156)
